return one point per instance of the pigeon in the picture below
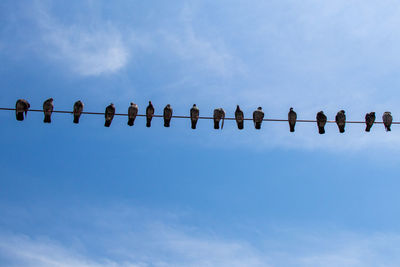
(149, 114)
(369, 120)
(78, 108)
(258, 116)
(132, 113)
(219, 114)
(341, 120)
(321, 121)
(167, 115)
(387, 120)
(239, 117)
(194, 115)
(48, 109)
(292, 117)
(109, 114)
(21, 107)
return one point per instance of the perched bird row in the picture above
(22, 106)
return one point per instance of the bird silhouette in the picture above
(219, 114)
(369, 121)
(78, 108)
(258, 116)
(341, 120)
(149, 114)
(21, 106)
(194, 115)
(321, 121)
(48, 107)
(387, 120)
(109, 114)
(239, 117)
(167, 115)
(292, 118)
(132, 113)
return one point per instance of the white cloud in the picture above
(85, 50)
(163, 246)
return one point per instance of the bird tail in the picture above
(216, 124)
(223, 120)
(388, 129)
(194, 122)
(368, 128)
(20, 116)
(148, 122)
(47, 118)
(166, 123)
(341, 129)
(240, 125)
(291, 128)
(130, 121)
(321, 130)
(76, 118)
(258, 125)
(107, 123)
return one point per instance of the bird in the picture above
(292, 117)
(369, 120)
(48, 107)
(167, 115)
(194, 115)
(109, 114)
(239, 117)
(387, 120)
(132, 113)
(78, 108)
(22, 106)
(321, 121)
(219, 114)
(341, 120)
(258, 116)
(149, 114)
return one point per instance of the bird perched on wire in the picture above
(258, 116)
(167, 115)
(132, 113)
(109, 114)
(78, 108)
(22, 106)
(219, 114)
(341, 120)
(369, 120)
(48, 107)
(194, 115)
(321, 121)
(239, 117)
(149, 114)
(292, 118)
(387, 120)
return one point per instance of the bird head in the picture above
(372, 113)
(259, 108)
(168, 105)
(291, 109)
(342, 111)
(131, 103)
(194, 105)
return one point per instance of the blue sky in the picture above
(86, 195)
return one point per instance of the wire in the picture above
(188, 117)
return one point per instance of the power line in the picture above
(188, 117)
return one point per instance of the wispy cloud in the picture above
(126, 237)
(85, 49)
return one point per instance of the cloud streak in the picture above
(86, 50)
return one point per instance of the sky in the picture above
(87, 195)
